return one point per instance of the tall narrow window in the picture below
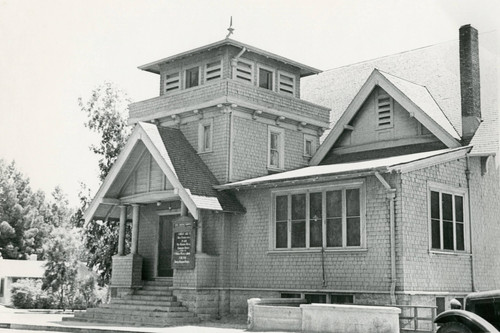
(281, 221)
(275, 148)
(265, 78)
(315, 219)
(172, 82)
(309, 145)
(384, 105)
(298, 220)
(192, 77)
(447, 221)
(205, 133)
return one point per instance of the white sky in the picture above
(52, 52)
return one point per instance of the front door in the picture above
(165, 246)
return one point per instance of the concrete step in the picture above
(163, 292)
(137, 312)
(158, 282)
(135, 307)
(149, 298)
(156, 287)
(132, 301)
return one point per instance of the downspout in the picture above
(467, 176)
(234, 61)
(391, 196)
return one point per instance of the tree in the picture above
(107, 112)
(63, 252)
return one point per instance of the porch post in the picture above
(135, 228)
(199, 234)
(121, 235)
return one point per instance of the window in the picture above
(447, 218)
(205, 133)
(266, 78)
(330, 217)
(192, 77)
(440, 305)
(275, 148)
(2, 286)
(309, 145)
(244, 71)
(384, 105)
(172, 82)
(213, 70)
(286, 83)
(341, 299)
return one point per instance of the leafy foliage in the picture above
(107, 112)
(26, 218)
(28, 294)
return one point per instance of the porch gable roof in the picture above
(191, 179)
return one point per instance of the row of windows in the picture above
(191, 77)
(322, 298)
(267, 77)
(330, 218)
(276, 143)
(333, 217)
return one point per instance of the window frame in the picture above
(453, 191)
(185, 76)
(345, 185)
(201, 135)
(294, 85)
(281, 148)
(313, 140)
(273, 75)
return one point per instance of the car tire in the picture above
(454, 327)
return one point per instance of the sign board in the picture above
(184, 243)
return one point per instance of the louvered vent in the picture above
(172, 82)
(286, 84)
(213, 71)
(244, 71)
(384, 111)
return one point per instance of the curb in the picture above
(71, 329)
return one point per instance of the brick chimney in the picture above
(469, 81)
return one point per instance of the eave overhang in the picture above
(154, 67)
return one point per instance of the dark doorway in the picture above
(165, 246)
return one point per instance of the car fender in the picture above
(465, 317)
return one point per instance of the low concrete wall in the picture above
(320, 318)
(337, 318)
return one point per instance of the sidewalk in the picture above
(37, 320)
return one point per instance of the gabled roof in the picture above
(184, 169)
(318, 173)
(415, 98)
(435, 67)
(154, 67)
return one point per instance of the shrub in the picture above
(25, 293)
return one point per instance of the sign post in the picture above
(184, 243)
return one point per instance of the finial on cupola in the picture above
(230, 29)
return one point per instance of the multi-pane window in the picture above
(286, 83)
(447, 221)
(330, 218)
(192, 77)
(213, 70)
(275, 148)
(172, 82)
(384, 105)
(265, 78)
